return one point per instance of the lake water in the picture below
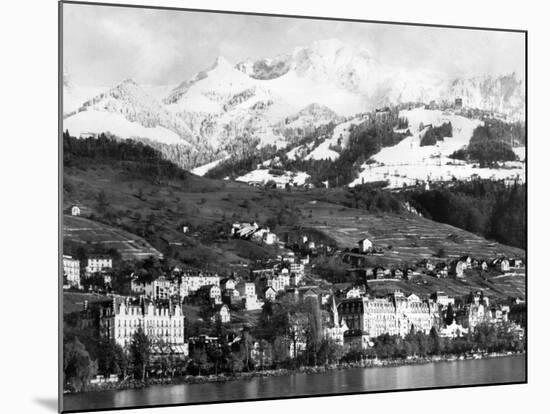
(441, 374)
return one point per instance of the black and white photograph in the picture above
(259, 207)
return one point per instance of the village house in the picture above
(71, 270)
(211, 292)
(482, 265)
(379, 272)
(397, 273)
(427, 264)
(269, 294)
(365, 245)
(409, 273)
(228, 283)
(467, 260)
(280, 281)
(515, 263)
(501, 264)
(221, 313)
(160, 321)
(457, 269)
(98, 263)
(441, 270)
(75, 211)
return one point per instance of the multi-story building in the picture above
(161, 288)
(442, 299)
(98, 263)
(395, 314)
(162, 322)
(279, 282)
(246, 289)
(191, 282)
(71, 269)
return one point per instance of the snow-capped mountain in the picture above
(126, 110)
(272, 101)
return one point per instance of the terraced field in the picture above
(404, 238)
(86, 231)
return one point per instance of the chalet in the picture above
(458, 103)
(441, 270)
(457, 269)
(482, 265)
(408, 273)
(501, 264)
(515, 263)
(397, 273)
(269, 294)
(365, 245)
(379, 272)
(221, 313)
(467, 260)
(75, 211)
(427, 264)
(211, 292)
(228, 283)
(269, 238)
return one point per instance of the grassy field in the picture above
(86, 231)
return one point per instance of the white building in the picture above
(98, 263)
(163, 324)
(191, 282)
(221, 314)
(395, 314)
(335, 331)
(452, 331)
(161, 288)
(246, 289)
(75, 211)
(71, 269)
(365, 245)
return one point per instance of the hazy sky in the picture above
(104, 45)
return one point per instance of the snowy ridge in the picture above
(408, 162)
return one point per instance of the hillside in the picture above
(80, 230)
(157, 208)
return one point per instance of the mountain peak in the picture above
(221, 62)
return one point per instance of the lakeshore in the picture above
(223, 377)
(485, 371)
